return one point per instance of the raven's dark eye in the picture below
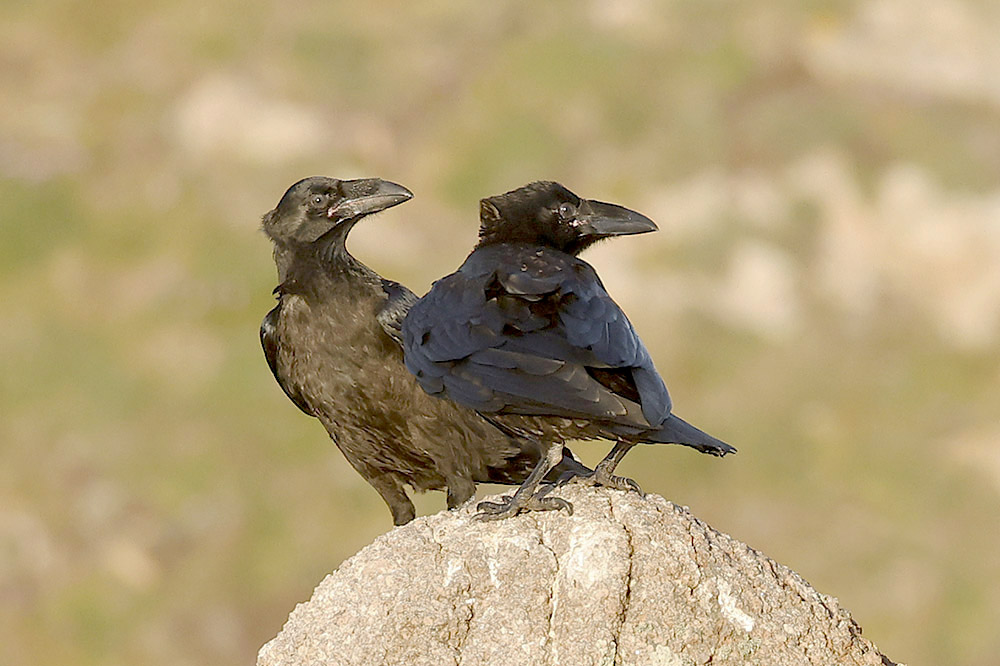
(567, 211)
(317, 200)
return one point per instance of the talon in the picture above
(489, 517)
(629, 484)
(599, 478)
(508, 508)
(556, 504)
(494, 507)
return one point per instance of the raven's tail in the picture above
(676, 430)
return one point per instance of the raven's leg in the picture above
(394, 495)
(527, 498)
(387, 485)
(602, 475)
(460, 489)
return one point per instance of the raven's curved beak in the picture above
(597, 218)
(366, 196)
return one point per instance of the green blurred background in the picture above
(824, 291)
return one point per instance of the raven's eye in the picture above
(317, 200)
(567, 211)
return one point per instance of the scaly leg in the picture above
(527, 497)
(602, 474)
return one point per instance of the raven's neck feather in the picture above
(327, 256)
(573, 246)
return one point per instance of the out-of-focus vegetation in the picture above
(824, 291)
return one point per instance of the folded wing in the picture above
(529, 331)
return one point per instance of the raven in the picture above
(333, 343)
(525, 333)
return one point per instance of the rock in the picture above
(624, 580)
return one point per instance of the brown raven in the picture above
(333, 344)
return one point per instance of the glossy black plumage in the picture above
(332, 343)
(525, 332)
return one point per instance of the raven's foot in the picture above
(603, 474)
(602, 477)
(508, 507)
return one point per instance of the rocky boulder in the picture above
(624, 580)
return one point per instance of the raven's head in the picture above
(546, 213)
(313, 206)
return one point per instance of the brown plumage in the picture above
(332, 344)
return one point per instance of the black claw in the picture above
(557, 504)
(635, 487)
(625, 483)
(494, 507)
(507, 508)
(598, 478)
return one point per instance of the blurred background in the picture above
(824, 291)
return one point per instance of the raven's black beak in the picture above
(603, 219)
(366, 196)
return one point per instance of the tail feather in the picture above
(676, 430)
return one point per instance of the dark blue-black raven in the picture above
(333, 344)
(525, 333)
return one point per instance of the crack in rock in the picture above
(627, 598)
(553, 592)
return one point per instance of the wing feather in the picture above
(516, 329)
(269, 341)
(398, 302)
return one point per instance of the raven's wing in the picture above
(533, 331)
(398, 302)
(269, 341)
